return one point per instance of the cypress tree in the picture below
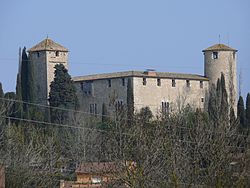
(130, 102)
(218, 107)
(27, 83)
(241, 111)
(248, 110)
(224, 110)
(1, 95)
(19, 105)
(62, 94)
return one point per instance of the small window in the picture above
(86, 87)
(215, 55)
(188, 83)
(158, 82)
(165, 107)
(38, 54)
(144, 82)
(57, 53)
(96, 180)
(173, 83)
(201, 84)
(233, 55)
(123, 81)
(119, 105)
(202, 99)
(93, 108)
(109, 83)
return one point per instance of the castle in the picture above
(161, 91)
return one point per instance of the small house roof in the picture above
(99, 167)
(48, 45)
(219, 47)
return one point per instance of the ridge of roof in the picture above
(139, 74)
(48, 45)
(219, 47)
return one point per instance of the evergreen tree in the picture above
(248, 110)
(218, 102)
(19, 105)
(62, 94)
(1, 95)
(130, 102)
(27, 82)
(241, 111)
(224, 108)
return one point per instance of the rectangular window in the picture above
(109, 83)
(93, 109)
(119, 105)
(144, 81)
(86, 87)
(158, 82)
(202, 99)
(57, 53)
(173, 83)
(215, 55)
(123, 81)
(165, 107)
(201, 84)
(188, 83)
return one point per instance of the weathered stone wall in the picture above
(226, 64)
(144, 95)
(102, 93)
(178, 97)
(51, 61)
(44, 63)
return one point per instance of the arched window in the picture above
(57, 53)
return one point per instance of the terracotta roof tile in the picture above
(219, 47)
(48, 45)
(99, 167)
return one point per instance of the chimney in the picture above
(150, 72)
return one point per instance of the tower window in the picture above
(123, 81)
(57, 53)
(201, 84)
(158, 82)
(202, 99)
(188, 83)
(38, 54)
(173, 83)
(109, 83)
(144, 81)
(215, 55)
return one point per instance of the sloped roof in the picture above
(48, 45)
(140, 74)
(219, 47)
(99, 167)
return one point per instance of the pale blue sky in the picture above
(119, 35)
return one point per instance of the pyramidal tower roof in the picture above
(48, 45)
(219, 47)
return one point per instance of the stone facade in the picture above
(166, 92)
(44, 56)
(162, 92)
(222, 60)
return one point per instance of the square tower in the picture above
(44, 56)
